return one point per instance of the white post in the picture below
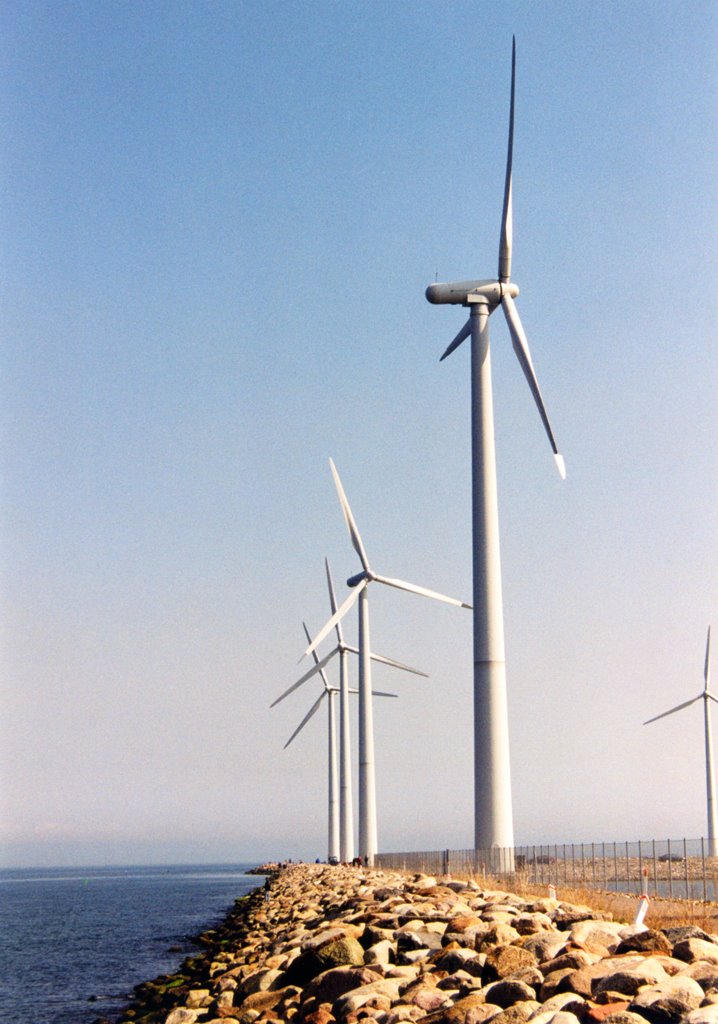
(710, 783)
(333, 819)
(493, 820)
(346, 823)
(367, 782)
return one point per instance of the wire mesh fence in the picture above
(670, 868)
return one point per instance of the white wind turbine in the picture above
(705, 696)
(334, 845)
(360, 583)
(493, 819)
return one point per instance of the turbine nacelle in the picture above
(360, 577)
(465, 293)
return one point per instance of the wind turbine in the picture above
(705, 696)
(333, 846)
(493, 819)
(360, 583)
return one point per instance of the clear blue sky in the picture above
(218, 222)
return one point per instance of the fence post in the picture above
(593, 864)
(640, 864)
(615, 867)
(703, 865)
(670, 871)
(655, 870)
(685, 861)
(628, 870)
(603, 860)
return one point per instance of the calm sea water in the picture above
(74, 942)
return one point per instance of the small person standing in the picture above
(266, 889)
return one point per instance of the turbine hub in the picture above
(465, 293)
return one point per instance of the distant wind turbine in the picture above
(367, 779)
(336, 849)
(493, 820)
(705, 696)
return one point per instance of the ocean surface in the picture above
(74, 942)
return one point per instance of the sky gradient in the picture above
(219, 221)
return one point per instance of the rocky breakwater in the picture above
(336, 945)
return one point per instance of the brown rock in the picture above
(320, 1016)
(457, 1013)
(504, 960)
(261, 1001)
(598, 1013)
(462, 922)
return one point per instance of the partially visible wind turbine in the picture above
(493, 822)
(360, 582)
(705, 696)
(335, 851)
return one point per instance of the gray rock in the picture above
(706, 974)
(545, 945)
(629, 980)
(507, 992)
(649, 940)
(555, 1017)
(703, 1015)
(181, 1015)
(693, 949)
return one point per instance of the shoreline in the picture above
(340, 945)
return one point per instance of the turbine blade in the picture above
(398, 664)
(339, 614)
(505, 240)
(707, 666)
(711, 697)
(461, 336)
(414, 589)
(307, 675)
(380, 693)
(679, 707)
(390, 661)
(349, 519)
(333, 600)
(312, 711)
(521, 348)
(322, 673)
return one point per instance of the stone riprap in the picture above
(338, 945)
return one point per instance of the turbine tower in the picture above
(367, 780)
(493, 819)
(705, 696)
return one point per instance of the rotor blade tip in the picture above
(561, 465)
